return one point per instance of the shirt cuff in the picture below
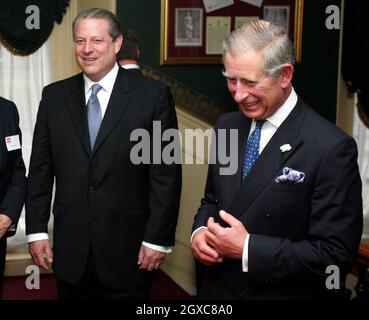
(193, 233)
(37, 236)
(245, 254)
(156, 247)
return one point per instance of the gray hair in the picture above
(98, 13)
(262, 36)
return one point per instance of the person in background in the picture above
(292, 214)
(114, 220)
(12, 177)
(129, 52)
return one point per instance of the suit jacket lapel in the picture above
(270, 161)
(76, 106)
(119, 99)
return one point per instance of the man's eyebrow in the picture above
(241, 79)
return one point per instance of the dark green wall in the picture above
(315, 78)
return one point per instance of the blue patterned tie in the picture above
(252, 149)
(94, 114)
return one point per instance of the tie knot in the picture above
(259, 123)
(95, 89)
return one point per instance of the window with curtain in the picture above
(25, 69)
(355, 73)
(21, 81)
(361, 135)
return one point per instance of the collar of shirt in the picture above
(107, 84)
(274, 122)
(130, 66)
(284, 110)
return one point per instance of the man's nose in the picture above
(241, 92)
(87, 48)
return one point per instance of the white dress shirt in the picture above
(107, 84)
(131, 66)
(269, 128)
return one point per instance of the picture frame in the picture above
(188, 27)
(278, 14)
(183, 45)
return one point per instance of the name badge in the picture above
(12, 142)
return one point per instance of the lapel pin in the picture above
(285, 147)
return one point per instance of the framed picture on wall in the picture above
(192, 31)
(188, 27)
(278, 14)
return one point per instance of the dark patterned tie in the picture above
(252, 149)
(94, 114)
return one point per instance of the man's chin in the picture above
(250, 113)
(88, 69)
(86, 65)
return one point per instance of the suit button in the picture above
(267, 216)
(91, 189)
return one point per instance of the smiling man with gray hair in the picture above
(294, 207)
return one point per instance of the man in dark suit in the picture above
(129, 52)
(288, 223)
(113, 220)
(12, 177)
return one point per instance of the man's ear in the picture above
(118, 43)
(286, 75)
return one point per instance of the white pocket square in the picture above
(290, 176)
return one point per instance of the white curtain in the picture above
(361, 135)
(21, 81)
